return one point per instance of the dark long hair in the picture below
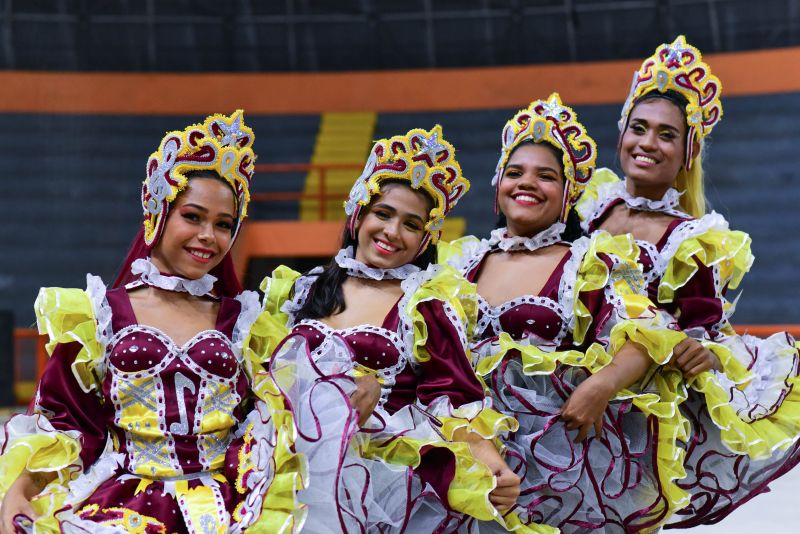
(326, 297)
(573, 222)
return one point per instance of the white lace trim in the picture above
(591, 209)
(344, 259)
(682, 232)
(472, 253)
(96, 290)
(666, 204)
(301, 288)
(101, 470)
(250, 310)
(569, 277)
(499, 239)
(150, 275)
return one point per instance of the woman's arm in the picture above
(18, 498)
(585, 406)
(506, 492)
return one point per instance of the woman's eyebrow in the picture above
(664, 125)
(391, 208)
(205, 210)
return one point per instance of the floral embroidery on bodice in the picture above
(174, 406)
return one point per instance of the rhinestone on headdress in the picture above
(222, 144)
(550, 121)
(679, 66)
(423, 158)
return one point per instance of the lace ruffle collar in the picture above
(150, 275)
(666, 204)
(345, 260)
(499, 239)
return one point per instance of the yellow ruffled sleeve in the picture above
(459, 299)
(452, 251)
(637, 318)
(68, 315)
(271, 326)
(602, 179)
(727, 250)
(31, 443)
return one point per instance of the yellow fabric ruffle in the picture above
(448, 286)
(665, 393)
(759, 438)
(42, 449)
(727, 249)
(600, 177)
(271, 326)
(281, 509)
(447, 250)
(66, 316)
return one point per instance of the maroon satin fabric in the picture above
(68, 407)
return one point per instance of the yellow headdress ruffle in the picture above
(222, 144)
(552, 122)
(679, 67)
(424, 159)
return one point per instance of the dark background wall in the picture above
(70, 202)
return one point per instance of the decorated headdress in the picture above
(551, 122)
(222, 144)
(424, 159)
(679, 67)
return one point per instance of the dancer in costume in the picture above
(569, 345)
(743, 411)
(380, 308)
(151, 415)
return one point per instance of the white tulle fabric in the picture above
(348, 491)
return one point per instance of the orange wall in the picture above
(742, 73)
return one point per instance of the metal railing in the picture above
(322, 196)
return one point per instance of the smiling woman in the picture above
(421, 455)
(741, 392)
(154, 413)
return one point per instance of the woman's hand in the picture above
(366, 396)
(18, 499)
(585, 407)
(692, 358)
(506, 491)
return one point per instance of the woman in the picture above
(743, 411)
(151, 415)
(379, 308)
(596, 447)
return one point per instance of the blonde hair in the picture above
(690, 183)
